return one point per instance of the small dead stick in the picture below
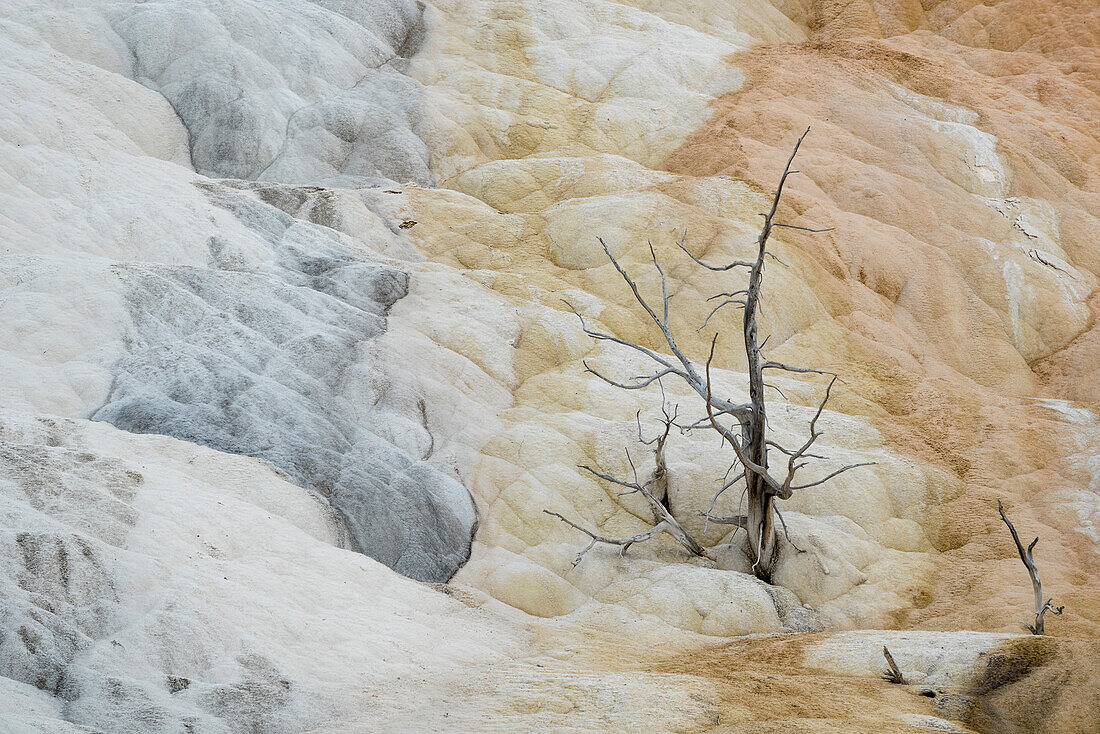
(1041, 607)
(623, 543)
(893, 674)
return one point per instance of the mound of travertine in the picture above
(288, 379)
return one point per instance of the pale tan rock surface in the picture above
(481, 147)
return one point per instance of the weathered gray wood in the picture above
(747, 437)
(1041, 607)
(893, 672)
(655, 492)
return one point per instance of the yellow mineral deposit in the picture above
(954, 154)
(954, 151)
(963, 200)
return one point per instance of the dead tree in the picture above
(892, 672)
(747, 435)
(1041, 607)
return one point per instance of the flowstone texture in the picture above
(259, 362)
(286, 91)
(230, 323)
(334, 238)
(151, 585)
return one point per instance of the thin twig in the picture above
(804, 229)
(623, 543)
(786, 533)
(718, 494)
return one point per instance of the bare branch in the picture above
(664, 286)
(739, 520)
(765, 232)
(688, 372)
(804, 229)
(718, 494)
(776, 388)
(841, 470)
(660, 438)
(780, 366)
(893, 673)
(731, 294)
(634, 288)
(746, 462)
(663, 521)
(770, 254)
(645, 381)
(670, 419)
(623, 543)
(601, 336)
(788, 452)
(650, 442)
(1041, 607)
(793, 457)
(727, 302)
(786, 533)
(716, 268)
(731, 482)
(705, 421)
(606, 477)
(633, 469)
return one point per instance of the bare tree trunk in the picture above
(749, 443)
(893, 672)
(1041, 607)
(761, 528)
(761, 497)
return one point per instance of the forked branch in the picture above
(738, 520)
(743, 426)
(893, 672)
(715, 268)
(679, 365)
(623, 543)
(1041, 607)
(655, 492)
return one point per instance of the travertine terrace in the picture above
(287, 379)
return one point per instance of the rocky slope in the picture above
(288, 379)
